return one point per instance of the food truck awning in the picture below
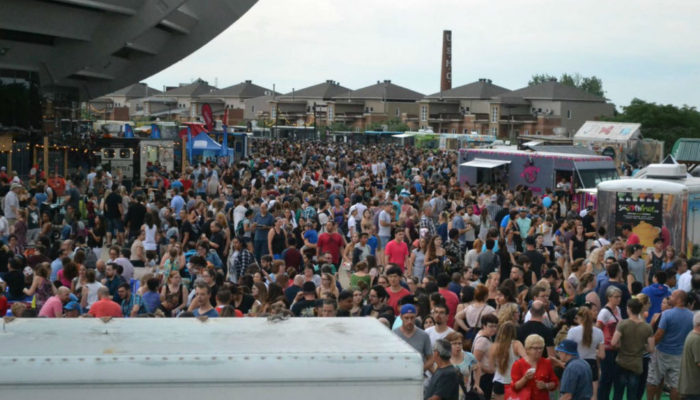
(485, 163)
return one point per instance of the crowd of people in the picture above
(506, 293)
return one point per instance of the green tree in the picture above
(592, 85)
(664, 122)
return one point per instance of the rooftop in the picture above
(481, 89)
(553, 90)
(326, 91)
(244, 90)
(382, 90)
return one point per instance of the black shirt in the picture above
(246, 303)
(15, 283)
(537, 260)
(135, 216)
(112, 203)
(443, 383)
(536, 327)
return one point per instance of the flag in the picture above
(207, 116)
(128, 131)
(155, 131)
(189, 145)
(224, 143)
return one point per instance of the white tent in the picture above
(607, 132)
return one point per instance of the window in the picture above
(568, 114)
(465, 130)
(538, 133)
(494, 131)
(273, 113)
(527, 132)
(592, 177)
(423, 113)
(494, 114)
(330, 113)
(454, 130)
(398, 112)
(252, 108)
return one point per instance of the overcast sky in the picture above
(639, 48)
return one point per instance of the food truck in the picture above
(212, 359)
(664, 203)
(535, 169)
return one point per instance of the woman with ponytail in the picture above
(505, 351)
(590, 342)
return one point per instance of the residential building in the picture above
(304, 106)
(359, 109)
(234, 99)
(121, 104)
(544, 109)
(464, 109)
(182, 102)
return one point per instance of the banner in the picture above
(643, 211)
(155, 131)
(128, 131)
(208, 117)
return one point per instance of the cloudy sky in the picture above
(639, 48)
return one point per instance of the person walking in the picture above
(632, 337)
(689, 379)
(444, 384)
(577, 380)
(665, 364)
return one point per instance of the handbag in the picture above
(470, 394)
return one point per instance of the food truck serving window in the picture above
(590, 178)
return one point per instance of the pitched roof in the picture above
(137, 90)
(553, 90)
(326, 90)
(481, 89)
(385, 91)
(243, 90)
(194, 89)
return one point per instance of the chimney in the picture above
(248, 81)
(446, 67)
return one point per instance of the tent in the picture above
(203, 142)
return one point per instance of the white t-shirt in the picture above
(586, 353)
(384, 217)
(434, 335)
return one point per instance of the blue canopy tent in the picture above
(202, 147)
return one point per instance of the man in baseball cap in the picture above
(413, 335)
(577, 381)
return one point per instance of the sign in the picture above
(642, 211)
(208, 117)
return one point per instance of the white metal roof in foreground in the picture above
(99, 46)
(223, 350)
(484, 163)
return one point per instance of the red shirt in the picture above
(237, 313)
(452, 301)
(3, 305)
(543, 372)
(186, 184)
(396, 253)
(105, 308)
(330, 243)
(395, 297)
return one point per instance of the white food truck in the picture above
(218, 358)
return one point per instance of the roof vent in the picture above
(387, 81)
(248, 81)
(667, 171)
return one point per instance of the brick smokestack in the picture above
(446, 69)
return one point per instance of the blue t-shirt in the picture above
(151, 300)
(495, 247)
(656, 293)
(211, 313)
(676, 323)
(177, 203)
(372, 242)
(311, 236)
(504, 221)
(577, 379)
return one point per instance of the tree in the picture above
(592, 85)
(392, 125)
(664, 122)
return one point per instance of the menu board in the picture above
(643, 211)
